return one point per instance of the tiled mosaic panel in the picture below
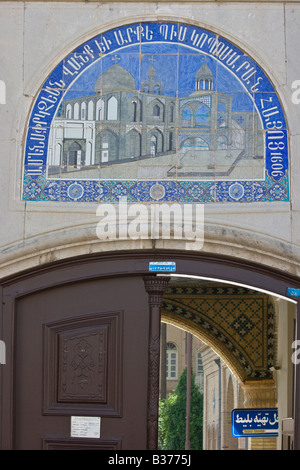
(157, 112)
(240, 321)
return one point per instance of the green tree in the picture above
(172, 417)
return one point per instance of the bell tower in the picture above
(152, 85)
(204, 79)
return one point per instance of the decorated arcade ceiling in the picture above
(237, 322)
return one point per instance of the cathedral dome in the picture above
(115, 78)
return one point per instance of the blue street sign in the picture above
(292, 292)
(162, 266)
(254, 422)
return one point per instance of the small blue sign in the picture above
(254, 422)
(162, 266)
(292, 292)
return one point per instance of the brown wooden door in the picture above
(82, 350)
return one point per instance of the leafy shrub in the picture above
(172, 417)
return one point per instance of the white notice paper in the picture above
(85, 426)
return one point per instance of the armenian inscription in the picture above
(157, 105)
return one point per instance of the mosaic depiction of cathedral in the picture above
(157, 112)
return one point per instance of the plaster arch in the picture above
(70, 242)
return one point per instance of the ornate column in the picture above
(261, 394)
(155, 287)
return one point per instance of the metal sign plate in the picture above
(162, 266)
(254, 422)
(292, 292)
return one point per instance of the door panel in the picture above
(83, 365)
(82, 350)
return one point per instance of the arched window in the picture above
(170, 140)
(171, 113)
(156, 110)
(171, 362)
(99, 110)
(133, 144)
(89, 154)
(76, 111)
(69, 111)
(153, 144)
(200, 372)
(186, 117)
(83, 111)
(199, 364)
(91, 110)
(134, 111)
(58, 154)
(112, 109)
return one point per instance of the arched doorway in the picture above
(238, 324)
(84, 276)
